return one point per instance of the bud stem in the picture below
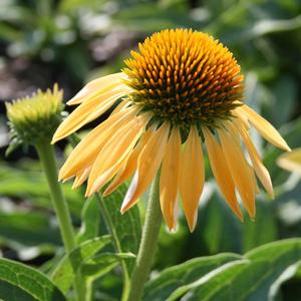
(47, 158)
(148, 243)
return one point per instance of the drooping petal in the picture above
(192, 176)
(263, 127)
(81, 177)
(260, 170)
(113, 155)
(169, 178)
(239, 168)
(129, 166)
(148, 164)
(100, 85)
(86, 112)
(86, 151)
(221, 172)
(291, 161)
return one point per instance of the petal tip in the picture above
(123, 210)
(54, 139)
(192, 223)
(106, 193)
(191, 228)
(172, 227)
(88, 193)
(72, 101)
(271, 194)
(238, 214)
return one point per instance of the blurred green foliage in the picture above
(85, 39)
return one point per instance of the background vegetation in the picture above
(72, 41)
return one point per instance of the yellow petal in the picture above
(239, 168)
(129, 166)
(192, 177)
(81, 177)
(115, 152)
(291, 161)
(238, 113)
(102, 95)
(85, 113)
(86, 151)
(260, 170)
(99, 85)
(169, 178)
(148, 164)
(263, 127)
(221, 172)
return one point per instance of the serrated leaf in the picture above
(20, 282)
(64, 273)
(162, 286)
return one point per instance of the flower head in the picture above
(35, 118)
(184, 78)
(181, 90)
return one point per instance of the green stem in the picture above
(148, 243)
(47, 158)
(111, 228)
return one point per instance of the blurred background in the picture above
(72, 41)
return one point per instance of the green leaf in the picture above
(263, 229)
(152, 17)
(211, 283)
(14, 293)
(264, 27)
(20, 282)
(256, 279)
(126, 228)
(285, 88)
(90, 220)
(64, 273)
(220, 223)
(162, 286)
(74, 5)
(27, 228)
(31, 184)
(103, 263)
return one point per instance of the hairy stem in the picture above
(47, 158)
(148, 244)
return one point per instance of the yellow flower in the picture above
(181, 89)
(291, 161)
(35, 118)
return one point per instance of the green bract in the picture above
(34, 119)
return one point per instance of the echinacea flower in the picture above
(181, 90)
(35, 118)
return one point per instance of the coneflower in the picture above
(180, 91)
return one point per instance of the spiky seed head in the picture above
(185, 77)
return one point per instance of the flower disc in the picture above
(184, 77)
